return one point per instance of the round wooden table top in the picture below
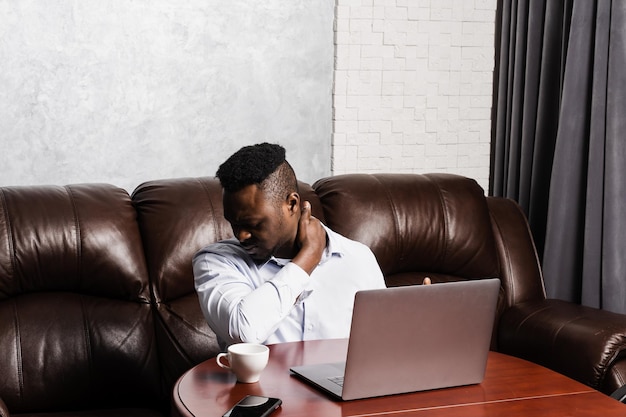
(512, 387)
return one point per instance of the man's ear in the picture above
(293, 203)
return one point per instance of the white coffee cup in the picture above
(245, 360)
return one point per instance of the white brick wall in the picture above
(413, 86)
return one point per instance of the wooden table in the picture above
(512, 387)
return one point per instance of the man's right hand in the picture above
(311, 238)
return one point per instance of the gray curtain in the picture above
(559, 139)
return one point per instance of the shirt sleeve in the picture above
(238, 308)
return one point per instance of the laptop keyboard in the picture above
(337, 380)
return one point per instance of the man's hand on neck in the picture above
(311, 239)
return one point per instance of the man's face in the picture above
(263, 227)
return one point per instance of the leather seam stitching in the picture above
(77, 231)
(394, 210)
(445, 216)
(10, 238)
(18, 352)
(212, 207)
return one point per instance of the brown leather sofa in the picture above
(98, 314)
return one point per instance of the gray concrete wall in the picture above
(123, 92)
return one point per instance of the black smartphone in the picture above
(254, 406)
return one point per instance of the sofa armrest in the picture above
(4, 411)
(580, 342)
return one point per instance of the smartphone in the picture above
(254, 406)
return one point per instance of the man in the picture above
(284, 276)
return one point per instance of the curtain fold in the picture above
(614, 245)
(558, 145)
(528, 96)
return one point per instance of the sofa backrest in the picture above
(177, 217)
(76, 329)
(435, 225)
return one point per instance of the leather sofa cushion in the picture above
(77, 328)
(414, 224)
(80, 238)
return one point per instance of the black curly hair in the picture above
(263, 164)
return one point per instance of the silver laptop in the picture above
(412, 338)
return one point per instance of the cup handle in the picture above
(219, 362)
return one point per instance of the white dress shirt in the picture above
(278, 301)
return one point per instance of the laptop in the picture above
(412, 338)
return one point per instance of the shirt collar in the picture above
(333, 245)
(333, 248)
